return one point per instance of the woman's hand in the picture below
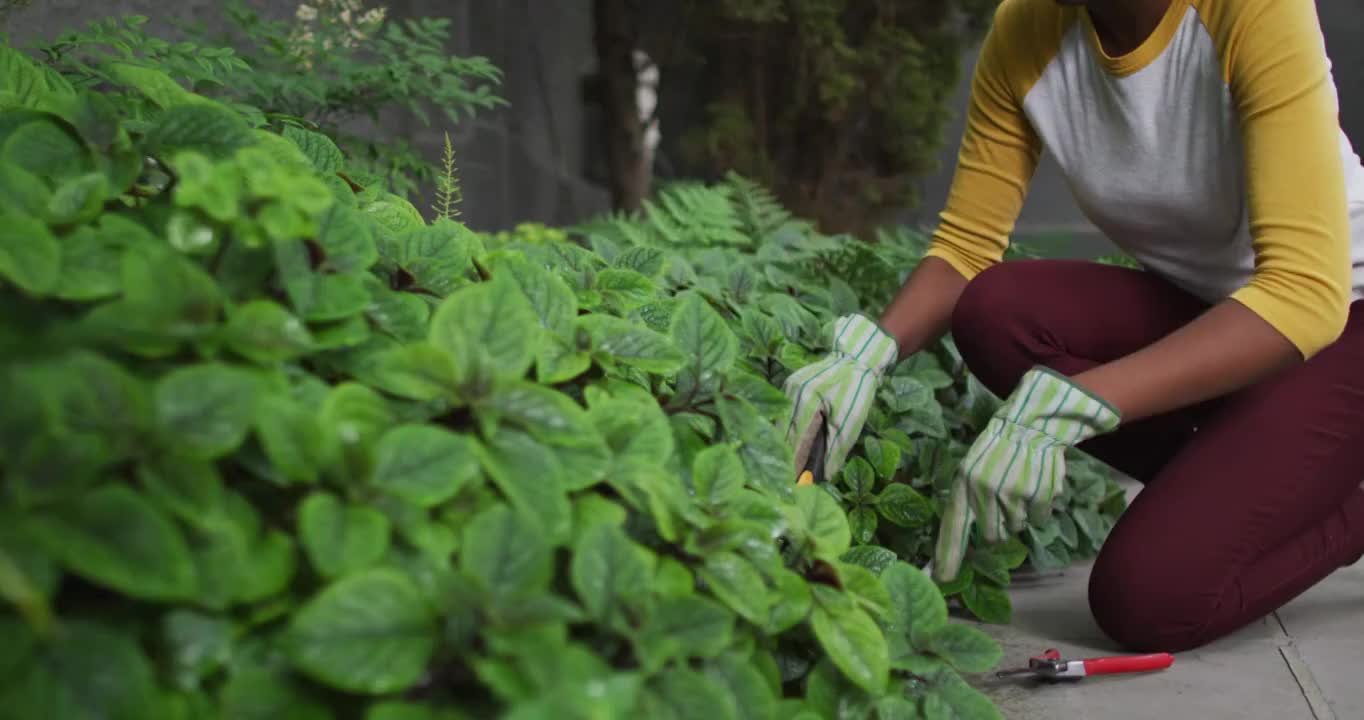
(1017, 464)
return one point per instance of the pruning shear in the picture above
(1051, 666)
(814, 464)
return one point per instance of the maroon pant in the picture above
(1249, 499)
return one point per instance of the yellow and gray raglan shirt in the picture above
(1212, 153)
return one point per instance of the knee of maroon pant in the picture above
(1147, 612)
(993, 327)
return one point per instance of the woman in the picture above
(1202, 137)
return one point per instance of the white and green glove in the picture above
(1017, 464)
(837, 392)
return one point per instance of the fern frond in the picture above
(692, 214)
(449, 195)
(761, 214)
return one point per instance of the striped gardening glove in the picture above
(1017, 464)
(836, 393)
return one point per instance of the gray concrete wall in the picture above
(1050, 216)
(523, 162)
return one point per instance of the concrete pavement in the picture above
(1305, 662)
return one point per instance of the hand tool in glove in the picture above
(837, 392)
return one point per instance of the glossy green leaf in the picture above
(424, 465)
(370, 633)
(856, 646)
(341, 539)
(113, 537)
(206, 409)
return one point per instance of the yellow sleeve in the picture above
(1275, 62)
(999, 149)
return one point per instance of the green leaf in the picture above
(903, 505)
(205, 410)
(79, 199)
(552, 299)
(340, 539)
(346, 241)
(367, 633)
(506, 553)
(608, 569)
(198, 645)
(963, 700)
(632, 424)
(630, 344)
(30, 257)
(492, 320)
(791, 604)
(314, 296)
(966, 648)
(46, 149)
(819, 516)
(753, 697)
(267, 693)
(883, 456)
(988, 602)
(529, 476)
(91, 264)
(547, 414)
(862, 522)
(156, 85)
(866, 588)
(264, 332)
(423, 464)
(683, 626)
(916, 605)
(625, 290)
(717, 475)
(87, 671)
(434, 258)
(317, 147)
(29, 83)
(738, 584)
(708, 343)
(766, 456)
(417, 371)
(859, 478)
(989, 567)
(113, 537)
(400, 710)
(690, 695)
(855, 645)
(206, 127)
(355, 415)
(403, 316)
(830, 694)
(292, 438)
(871, 557)
(1010, 554)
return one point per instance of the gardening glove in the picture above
(1017, 464)
(836, 393)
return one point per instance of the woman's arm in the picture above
(1298, 299)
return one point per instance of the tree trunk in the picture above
(615, 34)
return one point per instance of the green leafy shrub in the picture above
(336, 62)
(274, 446)
(783, 283)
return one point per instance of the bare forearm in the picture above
(922, 310)
(1226, 349)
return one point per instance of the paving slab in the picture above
(1302, 663)
(1326, 625)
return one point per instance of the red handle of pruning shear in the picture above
(1051, 665)
(1134, 663)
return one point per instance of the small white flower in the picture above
(306, 13)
